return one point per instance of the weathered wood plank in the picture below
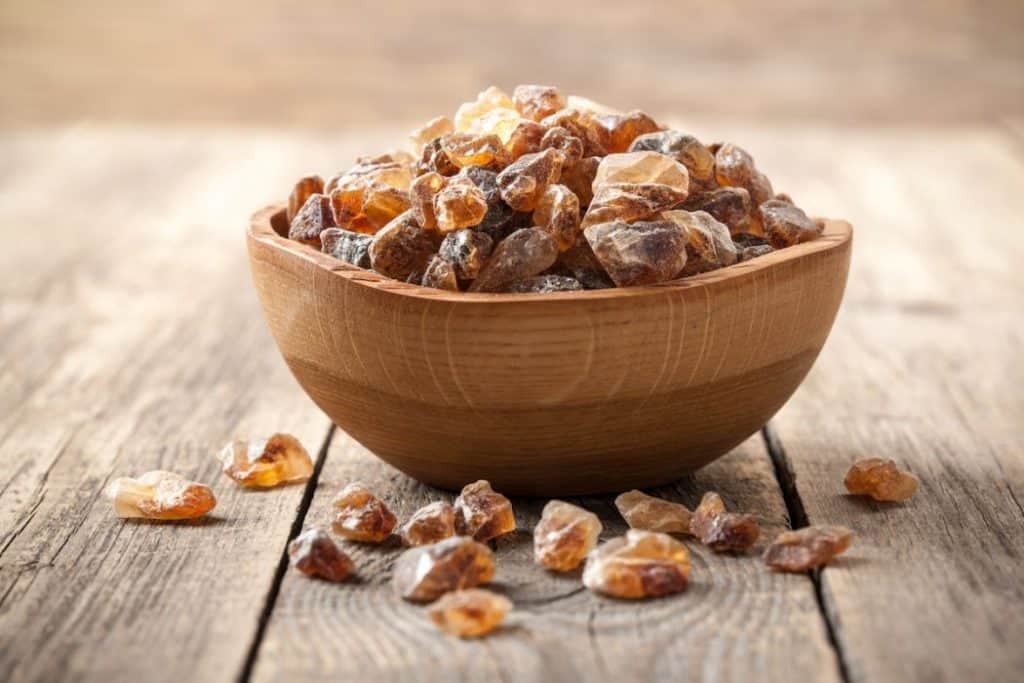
(737, 621)
(922, 368)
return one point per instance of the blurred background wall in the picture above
(328, 65)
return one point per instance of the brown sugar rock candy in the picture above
(362, 516)
(470, 149)
(589, 105)
(524, 253)
(469, 613)
(421, 198)
(584, 266)
(537, 102)
(265, 463)
(686, 149)
(558, 214)
(786, 225)
(728, 205)
(488, 100)
(880, 479)
(160, 495)
(734, 167)
(564, 535)
(483, 513)
(431, 523)
(620, 130)
(347, 205)
(460, 204)
(630, 202)
(396, 174)
(467, 251)
(641, 564)
(640, 253)
(648, 513)
(501, 220)
(345, 245)
(721, 530)
(426, 572)
(581, 124)
(303, 190)
(402, 248)
(569, 145)
(708, 246)
(435, 160)
(313, 218)
(641, 168)
(579, 178)
(383, 203)
(523, 183)
(314, 553)
(525, 138)
(807, 548)
(545, 284)
(440, 274)
(431, 130)
(499, 122)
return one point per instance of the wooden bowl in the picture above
(555, 394)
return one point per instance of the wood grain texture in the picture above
(737, 620)
(567, 393)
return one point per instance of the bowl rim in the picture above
(836, 234)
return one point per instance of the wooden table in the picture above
(130, 339)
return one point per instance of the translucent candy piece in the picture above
(483, 513)
(500, 220)
(314, 553)
(488, 100)
(460, 204)
(396, 174)
(306, 187)
(721, 530)
(440, 274)
(426, 572)
(383, 203)
(314, 217)
(642, 168)
(641, 564)
(569, 145)
(431, 130)
(620, 130)
(786, 225)
(579, 178)
(421, 196)
(498, 122)
(545, 284)
(628, 202)
(648, 513)
(265, 463)
(467, 251)
(584, 266)
(807, 548)
(398, 156)
(431, 523)
(362, 516)
(469, 613)
(880, 479)
(525, 138)
(558, 214)
(347, 205)
(435, 160)
(728, 205)
(347, 246)
(523, 183)
(160, 495)
(564, 536)
(747, 253)
(469, 149)
(708, 244)
(524, 253)
(641, 253)
(734, 167)
(686, 149)
(537, 102)
(588, 105)
(583, 125)
(401, 248)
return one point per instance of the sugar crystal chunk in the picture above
(786, 225)
(642, 168)
(431, 523)
(426, 572)
(525, 138)
(314, 553)
(469, 613)
(686, 149)
(537, 102)
(522, 184)
(345, 245)
(545, 284)
(709, 245)
(467, 250)
(640, 253)
(313, 218)
(522, 254)
(648, 513)
(440, 274)
(460, 204)
(569, 145)
(807, 548)
(630, 202)
(579, 178)
(721, 530)
(421, 196)
(402, 248)
(564, 535)
(620, 130)
(160, 495)
(265, 463)
(471, 149)
(641, 564)
(583, 125)
(487, 100)
(304, 189)
(880, 479)
(728, 205)
(483, 513)
(558, 214)
(362, 516)
(431, 130)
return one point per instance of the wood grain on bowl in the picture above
(576, 392)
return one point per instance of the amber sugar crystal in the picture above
(880, 479)
(431, 523)
(469, 613)
(266, 463)
(483, 513)
(649, 513)
(807, 548)
(720, 530)
(564, 536)
(314, 553)
(426, 572)
(160, 495)
(641, 564)
(362, 516)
